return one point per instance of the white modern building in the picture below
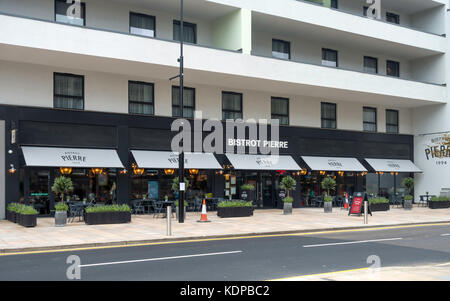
(92, 90)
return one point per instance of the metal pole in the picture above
(366, 217)
(169, 222)
(181, 156)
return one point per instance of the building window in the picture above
(190, 32)
(188, 102)
(231, 105)
(370, 64)
(329, 57)
(280, 109)
(63, 15)
(143, 25)
(68, 91)
(281, 49)
(334, 4)
(393, 68)
(370, 119)
(392, 121)
(392, 18)
(328, 115)
(141, 98)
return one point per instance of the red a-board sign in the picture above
(356, 206)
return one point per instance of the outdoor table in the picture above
(426, 197)
(147, 203)
(165, 204)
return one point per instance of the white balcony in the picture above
(66, 46)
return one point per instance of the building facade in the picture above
(95, 79)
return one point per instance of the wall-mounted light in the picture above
(303, 172)
(341, 173)
(219, 172)
(322, 172)
(12, 170)
(193, 171)
(123, 171)
(169, 171)
(96, 171)
(65, 170)
(138, 171)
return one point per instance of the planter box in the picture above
(380, 207)
(287, 208)
(439, 205)
(234, 211)
(27, 220)
(328, 207)
(408, 204)
(11, 216)
(100, 218)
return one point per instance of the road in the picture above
(257, 258)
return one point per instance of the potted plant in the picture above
(12, 212)
(379, 204)
(177, 210)
(234, 209)
(248, 192)
(27, 216)
(328, 184)
(441, 202)
(61, 186)
(408, 183)
(288, 183)
(107, 214)
(61, 214)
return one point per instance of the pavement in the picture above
(358, 254)
(146, 228)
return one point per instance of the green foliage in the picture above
(109, 208)
(288, 200)
(440, 199)
(13, 207)
(185, 203)
(408, 183)
(225, 204)
(328, 184)
(61, 206)
(378, 201)
(62, 186)
(248, 187)
(409, 197)
(288, 183)
(175, 184)
(328, 199)
(21, 209)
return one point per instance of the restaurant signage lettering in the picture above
(334, 163)
(264, 162)
(437, 148)
(258, 143)
(173, 159)
(358, 204)
(73, 157)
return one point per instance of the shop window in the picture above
(392, 121)
(281, 49)
(68, 91)
(393, 68)
(231, 105)
(370, 65)
(329, 57)
(143, 25)
(328, 115)
(280, 109)
(370, 119)
(63, 15)
(188, 102)
(189, 29)
(392, 18)
(141, 98)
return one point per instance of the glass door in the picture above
(267, 190)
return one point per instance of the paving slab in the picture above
(146, 228)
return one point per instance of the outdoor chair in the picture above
(138, 207)
(423, 201)
(159, 209)
(197, 204)
(75, 210)
(397, 200)
(318, 201)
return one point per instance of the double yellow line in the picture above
(221, 238)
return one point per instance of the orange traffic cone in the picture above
(346, 201)
(203, 218)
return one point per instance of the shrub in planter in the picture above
(61, 214)
(408, 183)
(379, 204)
(27, 216)
(408, 202)
(108, 214)
(328, 204)
(287, 205)
(234, 209)
(13, 212)
(439, 203)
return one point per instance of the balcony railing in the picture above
(347, 69)
(311, 2)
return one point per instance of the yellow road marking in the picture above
(222, 238)
(294, 278)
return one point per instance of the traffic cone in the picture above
(203, 218)
(346, 201)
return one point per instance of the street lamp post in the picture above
(181, 156)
